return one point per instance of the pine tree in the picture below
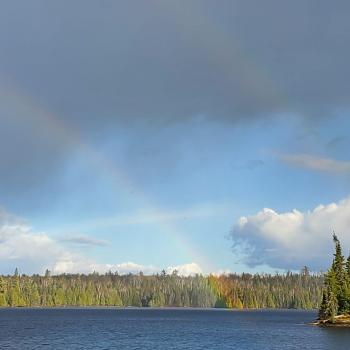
(232, 291)
(3, 301)
(322, 312)
(332, 305)
(336, 292)
(340, 287)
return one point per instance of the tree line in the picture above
(291, 290)
(336, 291)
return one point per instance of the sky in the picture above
(184, 136)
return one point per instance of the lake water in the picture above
(165, 329)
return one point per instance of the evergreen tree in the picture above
(332, 305)
(232, 291)
(339, 286)
(336, 292)
(3, 301)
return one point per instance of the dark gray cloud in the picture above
(28, 154)
(96, 65)
(94, 62)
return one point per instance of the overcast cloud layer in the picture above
(116, 107)
(169, 60)
(293, 239)
(94, 66)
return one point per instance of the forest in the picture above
(236, 291)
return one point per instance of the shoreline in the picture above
(338, 321)
(72, 307)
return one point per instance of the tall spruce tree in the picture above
(338, 268)
(336, 293)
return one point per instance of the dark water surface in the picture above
(165, 329)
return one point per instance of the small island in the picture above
(335, 306)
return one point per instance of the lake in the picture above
(99, 328)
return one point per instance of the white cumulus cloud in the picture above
(292, 239)
(71, 264)
(185, 269)
(34, 252)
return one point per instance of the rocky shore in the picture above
(337, 321)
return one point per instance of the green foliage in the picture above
(336, 291)
(230, 291)
(302, 291)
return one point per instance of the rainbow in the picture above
(66, 137)
(223, 51)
